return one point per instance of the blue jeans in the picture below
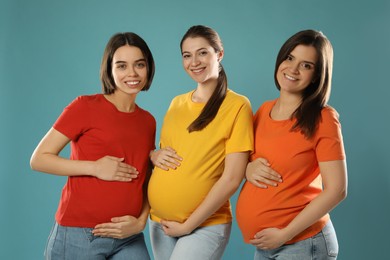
(72, 243)
(323, 246)
(203, 243)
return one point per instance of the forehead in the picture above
(127, 53)
(305, 52)
(195, 43)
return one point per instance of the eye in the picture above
(289, 58)
(186, 56)
(203, 53)
(140, 65)
(121, 66)
(307, 66)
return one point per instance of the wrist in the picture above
(141, 224)
(188, 228)
(91, 168)
(287, 234)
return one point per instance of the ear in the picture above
(220, 55)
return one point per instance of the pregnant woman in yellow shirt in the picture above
(211, 129)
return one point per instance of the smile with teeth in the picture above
(289, 77)
(197, 70)
(132, 83)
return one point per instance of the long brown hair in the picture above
(214, 103)
(116, 41)
(316, 96)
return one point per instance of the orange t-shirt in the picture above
(296, 159)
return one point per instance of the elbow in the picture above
(33, 165)
(343, 194)
(34, 162)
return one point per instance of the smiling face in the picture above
(200, 60)
(297, 71)
(129, 69)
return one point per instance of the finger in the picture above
(254, 242)
(123, 177)
(128, 168)
(161, 165)
(164, 223)
(263, 161)
(129, 172)
(168, 164)
(272, 175)
(260, 185)
(174, 156)
(172, 161)
(262, 180)
(122, 219)
(106, 232)
(115, 158)
(170, 149)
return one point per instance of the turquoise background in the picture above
(50, 52)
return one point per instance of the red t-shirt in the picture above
(96, 129)
(296, 159)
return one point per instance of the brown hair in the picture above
(214, 103)
(116, 41)
(316, 96)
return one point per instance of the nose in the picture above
(294, 67)
(194, 60)
(132, 72)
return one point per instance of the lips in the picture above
(132, 83)
(289, 77)
(198, 70)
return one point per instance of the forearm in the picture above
(315, 210)
(220, 193)
(334, 177)
(143, 217)
(54, 164)
(222, 190)
(45, 157)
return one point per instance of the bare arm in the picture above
(334, 176)
(46, 159)
(222, 190)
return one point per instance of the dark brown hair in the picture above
(315, 97)
(116, 41)
(214, 103)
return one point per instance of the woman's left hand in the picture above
(269, 238)
(174, 229)
(119, 227)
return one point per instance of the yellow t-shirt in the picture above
(175, 194)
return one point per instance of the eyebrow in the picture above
(303, 61)
(203, 48)
(121, 61)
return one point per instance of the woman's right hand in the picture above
(110, 168)
(165, 158)
(261, 175)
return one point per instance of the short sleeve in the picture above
(329, 145)
(74, 119)
(241, 137)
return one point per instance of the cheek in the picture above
(279, 73)
(185, 63)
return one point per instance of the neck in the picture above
(123, 102)
(203, 92)
(285, 107)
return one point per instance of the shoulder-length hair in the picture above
(214, 103)
(315, 97)
(116, 41)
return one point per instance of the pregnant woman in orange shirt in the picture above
(297, 139)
